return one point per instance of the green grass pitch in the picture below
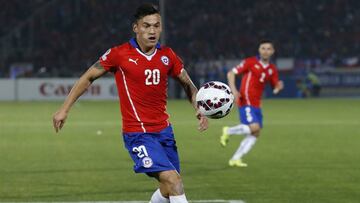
(309, 151)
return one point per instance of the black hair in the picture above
(266, 41)
(144, 10)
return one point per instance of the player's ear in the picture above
(273, 51)
(272, 48)
(135, 28)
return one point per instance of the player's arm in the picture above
(93, 73)
(277, 84)
(231, 77)
(191, 91)
(278, 87)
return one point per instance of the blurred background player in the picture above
(314, 84)
(141, 68)
(256, 72)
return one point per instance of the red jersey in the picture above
(142, 84)
(255, 76)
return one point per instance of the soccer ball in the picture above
(214, 99)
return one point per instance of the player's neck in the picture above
(265, 61)
(144, 49)
(147, 50)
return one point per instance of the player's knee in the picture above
(257, 134)
(173, 184)
(255, 129)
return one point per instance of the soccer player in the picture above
(141, 68)
(256, 72)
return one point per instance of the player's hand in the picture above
(279, 86)
(59, 120)
(203, 121)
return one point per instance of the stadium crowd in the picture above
(65, 37)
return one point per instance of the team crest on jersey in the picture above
(147, 162)
(257, 66)
(165, 60)
(270, 71)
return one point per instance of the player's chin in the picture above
(152, 42)
(268, 56)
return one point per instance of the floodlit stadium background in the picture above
(309, 148)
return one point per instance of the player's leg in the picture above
(242, 129)
(245, 146)
(171, 179)
(159, 197)
(150, 157)
(254, 120)
(171, 186)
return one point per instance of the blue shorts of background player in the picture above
(250, 114)
(153, 152)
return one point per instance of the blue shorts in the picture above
(153, 152)
(250, 114)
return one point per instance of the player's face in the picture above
(148, 30)
(266, 50)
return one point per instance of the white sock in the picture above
(240, 129)
(158, 198)
(178, 199)
(245, 146)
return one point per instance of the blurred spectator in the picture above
(68, 36)
(314, 84)
(302, 89)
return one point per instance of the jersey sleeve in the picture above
(177, 64)
(274, 77)
(109, 60)
(241, 68)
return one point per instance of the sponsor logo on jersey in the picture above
(147, 162)
(165, 60)
(257, 66)
(134, 61)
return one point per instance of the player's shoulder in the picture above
(248, 61)
(252, 59)
(119, 50)
(273, 66)
(167, 50)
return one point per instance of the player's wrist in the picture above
(64, 110)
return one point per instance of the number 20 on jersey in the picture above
(152, 76)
